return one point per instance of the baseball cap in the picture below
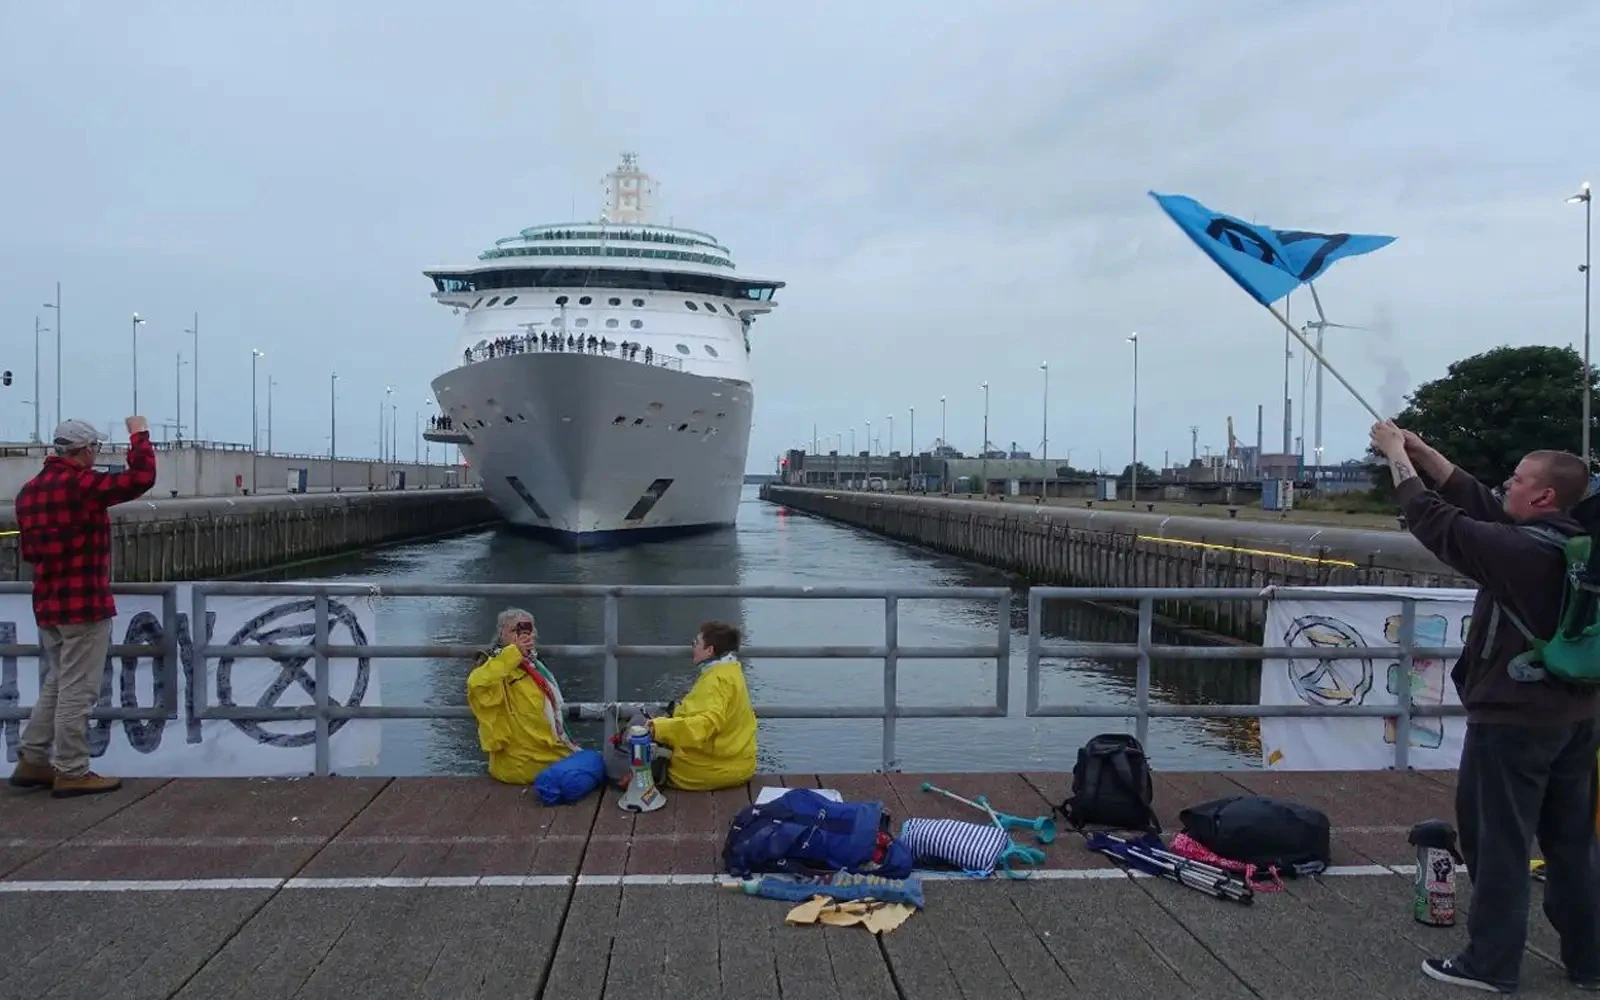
(74, 434)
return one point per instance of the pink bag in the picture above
(1186, 846)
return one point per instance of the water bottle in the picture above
(1434, 888)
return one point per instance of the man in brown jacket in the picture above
(1528, 762)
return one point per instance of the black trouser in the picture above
(1517, 782)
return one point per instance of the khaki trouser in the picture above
(76, 657)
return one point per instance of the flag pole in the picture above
(1326, 367)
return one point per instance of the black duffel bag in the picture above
(1262, 831)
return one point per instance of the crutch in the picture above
(1162, 863)
(1043, 827)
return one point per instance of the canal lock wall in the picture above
(1117, 545)
(214, 538)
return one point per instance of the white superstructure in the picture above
(602, 387)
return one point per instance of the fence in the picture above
(165, 654)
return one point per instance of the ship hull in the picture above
(594, 451)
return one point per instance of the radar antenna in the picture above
(630, 194)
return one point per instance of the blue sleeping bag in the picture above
(571, 779)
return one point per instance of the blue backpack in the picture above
(803, 833)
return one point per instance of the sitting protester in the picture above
(518, 705)
(712, 731)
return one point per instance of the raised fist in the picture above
(136, 424)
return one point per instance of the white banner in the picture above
(184, 746)
(1361, 744)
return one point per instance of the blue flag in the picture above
(1267, 263)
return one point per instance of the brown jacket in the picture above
(1467, 528)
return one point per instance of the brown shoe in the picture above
(87, 783)
(31, 775)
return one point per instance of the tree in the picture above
(1146, 474)
(1492, 408)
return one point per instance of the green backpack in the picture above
(1573, 653)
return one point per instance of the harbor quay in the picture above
(246, 854)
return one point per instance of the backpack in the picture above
(1111, 786)
(803, 833)
(1258, 830)
(1572, 655)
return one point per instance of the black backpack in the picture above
(1262, 831)
(1111, 786)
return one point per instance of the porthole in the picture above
(561, 300)
(620, 420)
(683, 348)
(637, 421)
(710, 307)
(558, 321)
(683, 427)
(583, 321)
(710, 350)
(475, 302)
(728, 308)
(585, 301)
(611, 324)
(639, 303)
(491, 302)
(614, 301)
(509, 300)
(691, 305)
(654, 407)
(637, 324)
(508, 418)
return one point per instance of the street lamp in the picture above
(388, 390)
(1133, 469)
(136, 322)
(194, 358)
(177, 416)
(333, 425)
(56, 305)
(869, 449)
(37, 391)
(1588, 232)
(1044, 447)
(254, 423)
(890, 450)
(270, 383)
(984, 450)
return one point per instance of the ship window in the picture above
(638, 302)
(492, 301)
(475, 304)
(614, 301)
(611, 324)
(637, 324)
(710, 350)
(683, 348)
(558, 321)
(710, 307)
(691, 305)
(583, 321)
(585, 301)
(561, 300)
(728, 308)
(509, 300)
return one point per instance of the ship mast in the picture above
(630, 194)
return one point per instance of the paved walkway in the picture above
(463, 888)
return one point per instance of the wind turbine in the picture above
(1320, 324)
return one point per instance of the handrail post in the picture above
(323, 762)
(1002, 666)
(1141, 722)
(1402, 722)
(891, 676)
(608, 615)
(170, 648)
(1035, 638)
(199, 675)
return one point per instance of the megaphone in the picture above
(641, 795)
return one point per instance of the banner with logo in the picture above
(183, 746)
(1330, 744)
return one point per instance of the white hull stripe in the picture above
(551, 881)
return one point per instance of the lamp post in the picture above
(255, 355)
(388, 390)
(1133, 469)
(136, 322)
(983, 450)
(333, 426)
(890, 450)
(270, 383)
(194, 358)
(37, 390)
(56, 305)
(177, 371)
(944, 440)
(912, 447)
(1588, 232)
(1044, 447)
(869, 449)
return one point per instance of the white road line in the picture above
(556, 881)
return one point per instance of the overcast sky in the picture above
(950, 198)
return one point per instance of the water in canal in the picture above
(772, 546)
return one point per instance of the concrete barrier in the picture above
(206, 539)
(1099, 548)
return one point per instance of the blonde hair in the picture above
(504, 620)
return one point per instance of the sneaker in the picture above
(1450, 970)
(31, 775)
(1587, 985)
(87, 783)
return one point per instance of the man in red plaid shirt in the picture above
(66, 536)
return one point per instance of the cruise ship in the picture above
(602, 385)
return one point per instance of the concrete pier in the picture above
(156, 540)
(1117, 545)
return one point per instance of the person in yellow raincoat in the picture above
(712, 730)
(518, 705)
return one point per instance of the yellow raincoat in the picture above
(521, 728)
(712, 731)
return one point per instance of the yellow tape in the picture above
(1252, 552)
(5, 533)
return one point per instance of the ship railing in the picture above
(163, 644)
(531, 345)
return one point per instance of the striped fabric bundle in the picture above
(972, 847)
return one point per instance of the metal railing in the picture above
(166, 653)
(1144, 649)
(173, 649)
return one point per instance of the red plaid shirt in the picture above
(66, 532)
